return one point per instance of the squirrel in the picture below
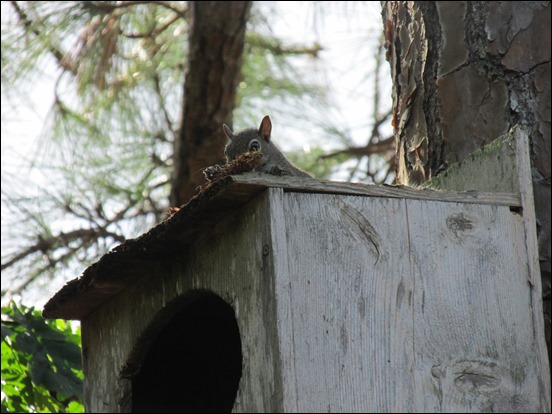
(273, 161)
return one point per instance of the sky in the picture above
(346, 30)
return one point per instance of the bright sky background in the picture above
(346, 30)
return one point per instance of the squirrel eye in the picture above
(254, 145)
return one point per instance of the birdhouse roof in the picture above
(167, 242)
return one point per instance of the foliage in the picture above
(101, 172)
(108, 145)
(41, 363)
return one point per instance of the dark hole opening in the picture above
(195, 362)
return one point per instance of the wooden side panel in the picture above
(475, 345)
(504, 165)
(235, 261)
(406, 305)
(351, 303)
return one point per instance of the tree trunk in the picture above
(464, 73)
(216, 41)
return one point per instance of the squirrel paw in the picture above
(210, 172)
(277, 171)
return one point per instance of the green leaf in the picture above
(6, 331)
(41, 363)
(26, 343)
(40, 369)
(64, 352)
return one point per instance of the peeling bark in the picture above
(216, 44)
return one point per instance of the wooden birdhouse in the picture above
(285, 294)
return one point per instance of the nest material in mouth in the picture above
(242, 163)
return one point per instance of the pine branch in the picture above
(49, 244)
(181, 12)
(62, 58)
(370, 149)
(155, 31)
(277, 48)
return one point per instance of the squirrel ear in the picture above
(227, 131)
(266, 128)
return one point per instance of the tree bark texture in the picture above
(463, 74)
(216, 42)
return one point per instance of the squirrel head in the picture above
(248, 140)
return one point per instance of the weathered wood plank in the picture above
(432, 313)
(253, 181)
(242, 275)
(283, 317)
(351, 310)
(505, 165)
(474, 343)
(502, 166)
(492, 169)
(525, 189)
